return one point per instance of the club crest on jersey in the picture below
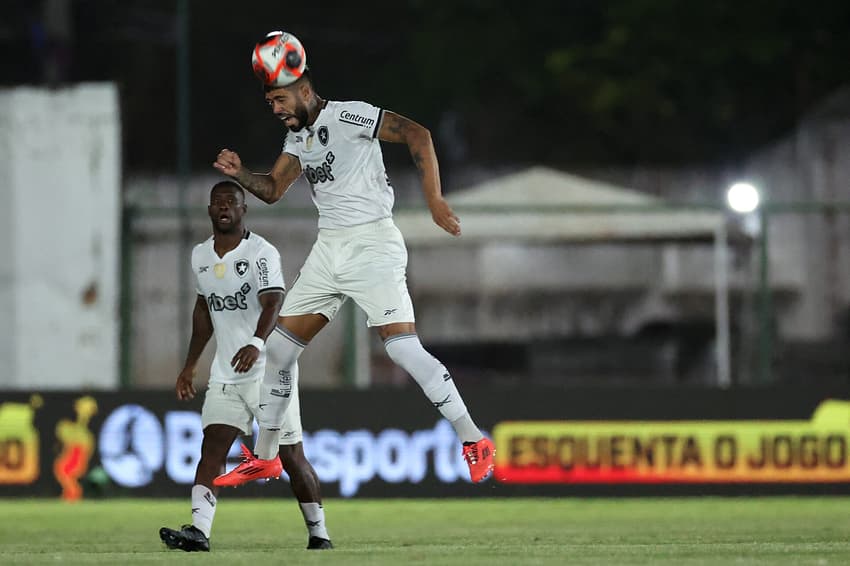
(219, 269)
(241, 267)
(323, 134)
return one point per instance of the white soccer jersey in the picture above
(231, 286)
(341, 158)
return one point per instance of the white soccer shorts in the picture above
(367, 263)
(234, 404)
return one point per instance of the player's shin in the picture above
(276, 392)
(279, 383)
(436, 382)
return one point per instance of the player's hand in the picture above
(245, 358)
(185, 389)
(444, 217)
(228, 162)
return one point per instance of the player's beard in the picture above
(225, 228)
(301, 115)
(228, 227)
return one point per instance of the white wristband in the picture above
(257, 342)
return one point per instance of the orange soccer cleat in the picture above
(251, 468)
(479, 458)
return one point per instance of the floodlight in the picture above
(743, 198)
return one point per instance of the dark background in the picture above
(566, 83)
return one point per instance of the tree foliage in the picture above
(632, 80)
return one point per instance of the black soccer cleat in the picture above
(317, 543)
(188, 538)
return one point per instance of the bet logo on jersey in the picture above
(232, 302)
(322, 173)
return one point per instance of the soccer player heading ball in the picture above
(358, 254)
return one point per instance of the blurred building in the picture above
(575, 300)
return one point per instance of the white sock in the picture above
(203, 508)
(466, 429)
(432, 376)
(314, 518)
(279, 381)
(266, 446)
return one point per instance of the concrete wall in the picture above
(61, 191)
(8, 312)
(812, 164)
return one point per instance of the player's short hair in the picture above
(237, 188)
(306, 76)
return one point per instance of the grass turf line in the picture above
(681, 531)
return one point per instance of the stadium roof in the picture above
(545, 205)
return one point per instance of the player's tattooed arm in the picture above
(285, 171)
(259, 185)
(269, 187)
(398, 129)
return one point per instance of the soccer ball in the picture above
(279, 59)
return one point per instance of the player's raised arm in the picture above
(268, 187)
(398, 129)
(202, 331)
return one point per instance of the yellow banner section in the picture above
(677, 451)
(19, 442)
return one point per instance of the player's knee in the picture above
(217, 442)
(282, 361)
(406, 350)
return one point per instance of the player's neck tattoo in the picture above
(315, 108)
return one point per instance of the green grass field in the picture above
(682, 531)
